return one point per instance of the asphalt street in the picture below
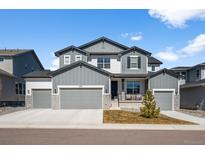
(99, 136)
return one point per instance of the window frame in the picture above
(67, 56)
(1, 59)
(153, 67)
(134, 68)
(77, 56)
(135, 90)
(103, 64)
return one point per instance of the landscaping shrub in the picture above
(150, 109)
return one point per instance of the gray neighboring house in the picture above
(193, 89)
(14, 63)
(101, 74)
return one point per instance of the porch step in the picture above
(114, 103)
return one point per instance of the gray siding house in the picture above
(193, 89)
(13, 65)
(98, 75)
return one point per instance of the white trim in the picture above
(133, 68)
(173, 93)
(80, 56)
(80, 87)
(64, 61)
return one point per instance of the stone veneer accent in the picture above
(55, 102)
(176, 102)
(28, 102)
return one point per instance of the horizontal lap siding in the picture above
(81, 75)
(191, 97)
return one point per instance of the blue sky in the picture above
(174, 37)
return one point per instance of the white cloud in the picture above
(136, 37)
(194, 46)
(177, 18)
(54, 63)
(168, 55)
(133, 37)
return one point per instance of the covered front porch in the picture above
(128, 91)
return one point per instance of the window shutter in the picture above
(139, 62)
(128, 62)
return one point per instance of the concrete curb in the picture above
(108, 126)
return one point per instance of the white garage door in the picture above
(164, 99)
(41, 98)
(81, 98)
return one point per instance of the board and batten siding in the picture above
(144, 62)
(103, 47)
(81, 75)
(24, 64)
(163, 81)
(115, 63)
(72, 57)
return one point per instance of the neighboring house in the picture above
(99, 73)
(193, 90)
(14, 63)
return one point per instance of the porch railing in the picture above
(130, 98)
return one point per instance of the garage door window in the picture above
(133, 87)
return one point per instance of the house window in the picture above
(103, 62)
(133, 62)
(66, 59)
(153, 68)
(78, 57)
(197, 73)
(1, 59)
(20, 88)
(133, 87)
(184, 74)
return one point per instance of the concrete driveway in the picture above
(52, 117)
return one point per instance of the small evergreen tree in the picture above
(150, 109)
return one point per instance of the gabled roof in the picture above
(152, 60)
(38, 74)
(181, 68)
(2, 72)
(70, 48)
(13, 52)
(170, 72)
(137, 49)
(194, 84)
(103, 39)
(19, 52)
(76, 64)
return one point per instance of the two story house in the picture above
(13, 64)
(98, 73)
(193, 90)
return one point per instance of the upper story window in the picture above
(66, 59)
(197, 73)
(103, 62)
(153, 68)
(78, 57)
(133, 62)
(1, 59)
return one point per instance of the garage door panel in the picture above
(84, 98)
(41, 98)
(164, 99)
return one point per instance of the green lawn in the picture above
(125, 117)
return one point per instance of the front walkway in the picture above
(183, 116)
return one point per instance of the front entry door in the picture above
(114, 89)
